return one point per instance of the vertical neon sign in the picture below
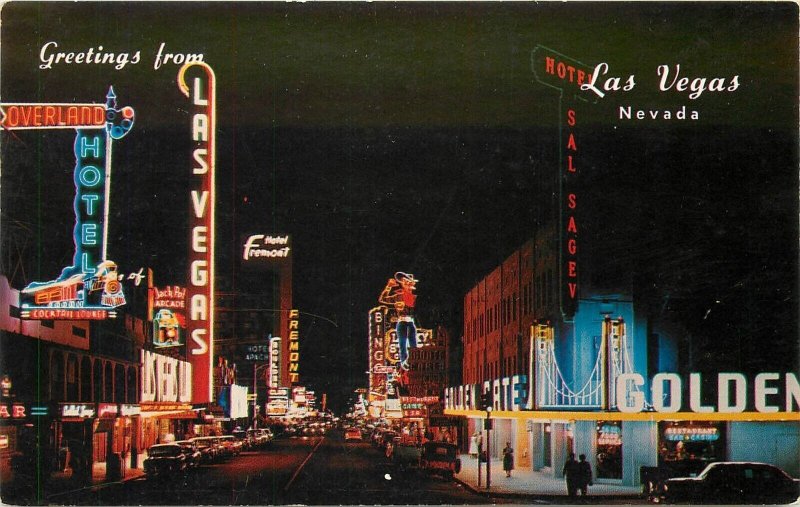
(200, 289)
(567, 76)
(89, 288)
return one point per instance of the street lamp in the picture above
(488, 450)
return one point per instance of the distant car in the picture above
(194, 456)
(208, 447)
(440, 458)
(164, 460)
(734, 483)
(386, 439)
(352, 435)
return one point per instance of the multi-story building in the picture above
(605, 381)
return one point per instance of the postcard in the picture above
(348, 253)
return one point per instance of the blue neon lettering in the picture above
(93, 147)
(86, 265)
(90, 200)
(90, 176)
(89, 234)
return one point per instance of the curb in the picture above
(635, 499)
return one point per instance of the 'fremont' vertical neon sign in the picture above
(200, 289)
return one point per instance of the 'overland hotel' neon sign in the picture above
(90, 287)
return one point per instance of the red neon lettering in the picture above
(549, 65)
(572, 201)
(570, 167)
(571, 120)
(571, 142)
(571, 227)
(572, 267)
(572, 246)
(573, 287)
(4, 411)
(19, 411)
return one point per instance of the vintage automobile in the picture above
(387, 439)
(194, 456)
(260, 437)
(352, 435)
(208, 447)
(440, 458)
(733, 483)
(232, 445)
(164, 460)
(406, 453)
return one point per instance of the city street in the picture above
(311, 471)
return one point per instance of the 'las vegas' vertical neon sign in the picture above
(200, 289)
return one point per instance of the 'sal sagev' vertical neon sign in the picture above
(200, 289)
(566, 75)
(90, 287)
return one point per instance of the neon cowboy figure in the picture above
(399, 293)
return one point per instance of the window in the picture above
(79, 331)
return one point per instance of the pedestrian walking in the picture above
(572, 473)
(508, 459)
(585, 474)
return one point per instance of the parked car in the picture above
(652, 478)
(208, 447)
(231, 444)
(406, 454)
(164, 460)
(191, 450)
(440, 458)
(352, 435)
(734, 483)
(242, 436)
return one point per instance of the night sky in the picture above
(412, 137)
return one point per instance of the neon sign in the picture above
(567, 76)
(294, 346)
(90, 288)
(691, 434)
(264, 248)
(169, 322)
(165, 379)
(667, 393)
(200, 291)
(274, 362)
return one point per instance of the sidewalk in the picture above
(528, 483)
(61, 484)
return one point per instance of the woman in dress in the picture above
(508, 459)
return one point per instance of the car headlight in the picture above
(666, 487)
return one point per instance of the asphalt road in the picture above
(310, 471)
(356, 473)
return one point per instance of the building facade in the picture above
(606, 382)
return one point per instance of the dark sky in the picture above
(412, 137)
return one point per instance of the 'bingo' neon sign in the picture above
(90, 287)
